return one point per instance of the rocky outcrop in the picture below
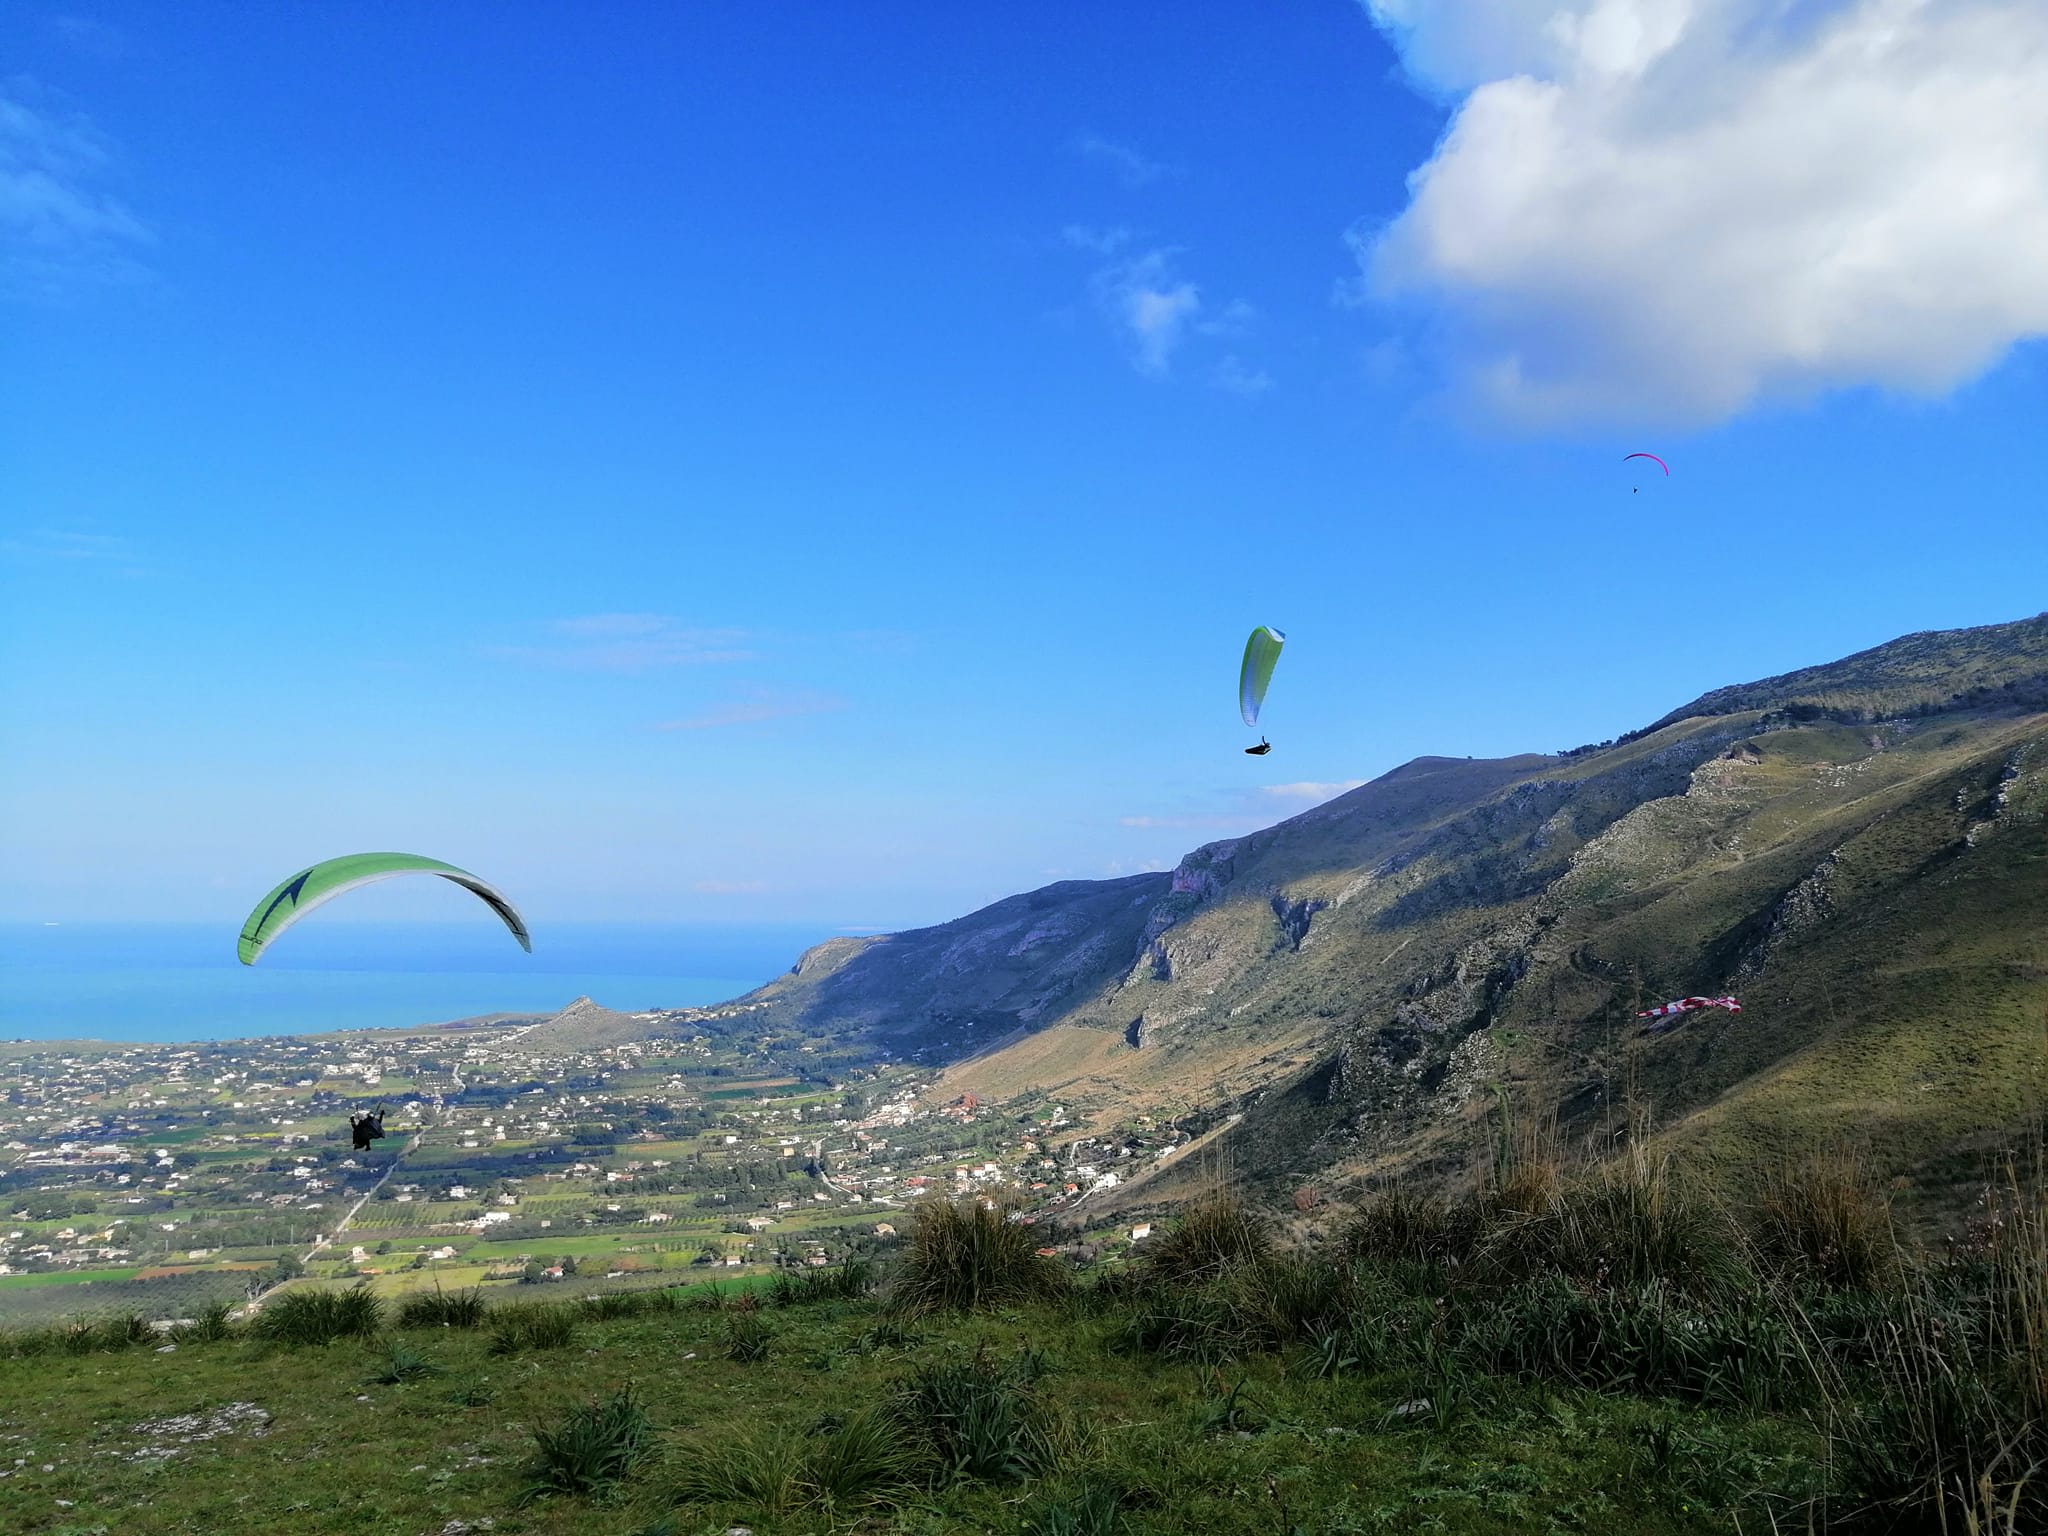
(2001, 795)
(1805, 906)
(1295, 917)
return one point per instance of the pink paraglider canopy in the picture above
(1651, 457)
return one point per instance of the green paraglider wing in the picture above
(324, 881)
(1260, 653)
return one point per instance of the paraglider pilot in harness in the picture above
(366, 1129)
(1261, 749)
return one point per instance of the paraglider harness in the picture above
(365, 1129)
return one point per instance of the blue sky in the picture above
(821, 464)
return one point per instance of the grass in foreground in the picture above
(1410, 1378)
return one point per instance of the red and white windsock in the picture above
(1688, 1004)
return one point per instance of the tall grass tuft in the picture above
(975, 1419)
(1953, 1435)
(848, 1282)
(593, 1449)
(311, 1316)
(1633, 1221)
(444, 1309)
(762, 1467)
(608, 1306)
(1214, 1234)
(1402, 1225)
(860, 1460)
(747, 1336)
(211, 1326)
(402, 1363)
(1828, 1218)
(1093, 1509)
(531, 1325)
(85, 1336)
(965, 1254)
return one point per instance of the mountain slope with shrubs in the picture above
(1855, 849)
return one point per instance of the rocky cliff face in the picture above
(1018, 964)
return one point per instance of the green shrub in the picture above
(444, 1309)
(1953, 1431)
(611, 1305)
(1215, 1233)
(747, 1336)
(309, 1316)
(1733, 1353)
(1402, 1225)
(403, 1363)
(860, 1460)
(1198, 1326)
(963, 1255)
(592, 1450)
(760, 1467)
(531, 1325)
(796, 1288)
(1093, 1509)
(975, 1419)
(1828, 1218)
(209, 1327)
(1633, 1221)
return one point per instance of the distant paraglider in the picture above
(1670, 1015)
(1261, 654)
(324, 881)
(1653, 459)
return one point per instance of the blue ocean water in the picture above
(176, 981)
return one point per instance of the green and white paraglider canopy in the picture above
(1261, 652)
(307, 889)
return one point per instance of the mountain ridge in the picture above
(1362, 980)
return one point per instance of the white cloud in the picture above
(762, 704)
(55, 226)
(1130, 166)
(631, 642)
(1150, 305)
(1156, 312)
(1314, 793)
(1671, 210)
(1103, 242)
(1238, 377)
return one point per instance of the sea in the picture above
(176, 981)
